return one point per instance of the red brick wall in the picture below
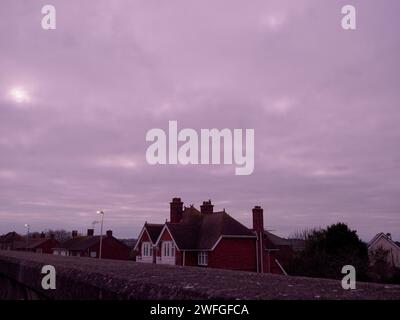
(235, 254)
(48, 245)
(112, 249)
(144, 238)
(165, 237)
(191, 258)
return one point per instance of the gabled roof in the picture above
(386, 237)
(198, 231)
(153, 230)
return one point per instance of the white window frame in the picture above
(202, 258)
(147, 249)
(168, 249)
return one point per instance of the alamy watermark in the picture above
(348, 21)
(49, 280)
(187, 146)
(349, 280)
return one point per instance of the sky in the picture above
(76, 104)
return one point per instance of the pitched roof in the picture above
(80, 243)
(386, 237)
(198, 231)
(153, 230)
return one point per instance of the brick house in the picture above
(9, 240)
(37, 244)
(212, 239)
(89, 246)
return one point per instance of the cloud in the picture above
(323, 103)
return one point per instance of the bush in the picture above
(328, 250)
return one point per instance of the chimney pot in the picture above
(42, 235)
(207, 207)
(109, 233)
(258, 219)
(176, 210)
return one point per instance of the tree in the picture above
(328, 250)
(60, 235)
(381, 270)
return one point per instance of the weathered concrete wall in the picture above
(85, 278)
(12, 290)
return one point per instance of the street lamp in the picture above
(101, 231)
(27, 236)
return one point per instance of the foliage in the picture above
(328, 250)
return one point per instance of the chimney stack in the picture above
(74, 234)
(207, 207)
(52, 236)
(258, 219)
(90, 232)
(42, 235)
(176, 210)
(109, 233)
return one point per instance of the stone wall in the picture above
(88, 279)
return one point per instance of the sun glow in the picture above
(19, 95)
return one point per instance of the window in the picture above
(168, 249)
(202, 258)
(147, 250)
(93, 254)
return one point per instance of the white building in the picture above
(385, 242)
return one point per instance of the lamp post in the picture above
(101, 232)
(27, 236)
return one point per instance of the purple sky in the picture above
(324, 104)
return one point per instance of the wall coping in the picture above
(89, 279)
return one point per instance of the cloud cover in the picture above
(324, 104)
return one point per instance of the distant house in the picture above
(207, 238)
(279, 252)
(9, 240)
(89, 246)
(384, 241)
(37, 245)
